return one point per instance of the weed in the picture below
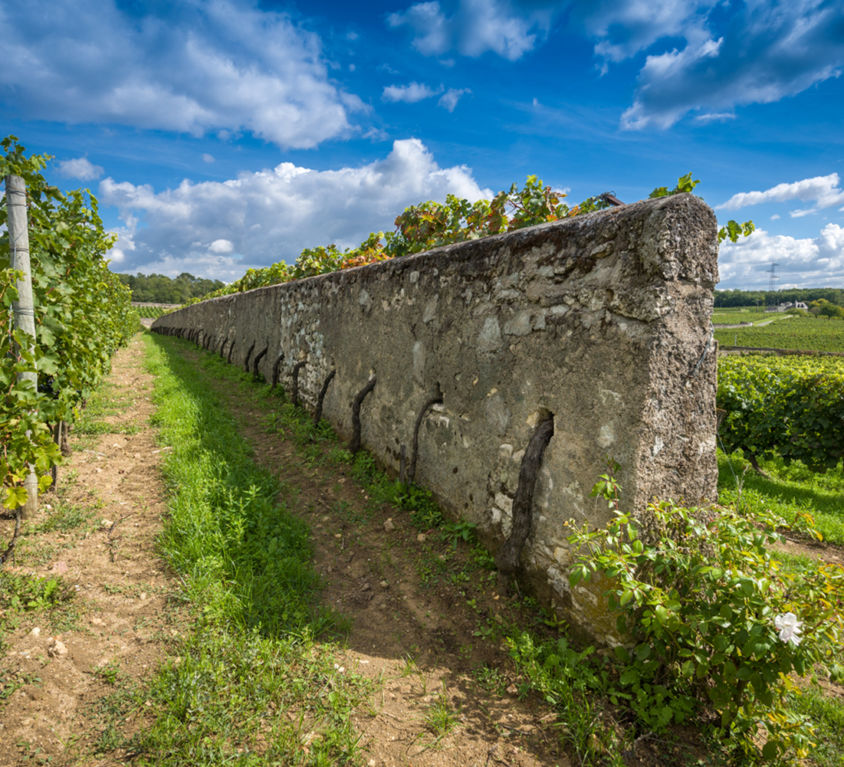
(25, 593)
(108, 673)
(567, 681)
(458, 530)
(31, 551)
(410, 667)
(441, 717)
(491, 679)
(14, 682)
(112, 710)
(338, 454)
(64, 517)
(488, 631)
(90, 427)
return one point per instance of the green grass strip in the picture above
(789, 490)
(251, 685)
(827, 714)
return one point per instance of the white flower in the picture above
(789, 628)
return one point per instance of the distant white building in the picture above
(785, 306)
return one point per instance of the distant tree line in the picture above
(158, 289)
(729, 298)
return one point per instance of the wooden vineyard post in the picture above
(24, 309)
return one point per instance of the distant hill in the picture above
(158, 289)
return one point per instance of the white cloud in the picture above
(823, 191)
(623, 29)
(831, 240)
(766, 52)
(414, 92)
(208, 158)
(219, 66)
(711, 117)
(271, 215)
(703, 59)
(81, 168)
(431, 28)
(409, 94)
(450, 98)
(476, 27)
(493, 27)
(221, 246)
(806, 262)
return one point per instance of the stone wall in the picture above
(601, 322)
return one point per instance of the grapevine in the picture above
(82, 315)
(793, 406)
(433, 224)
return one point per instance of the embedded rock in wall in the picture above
(596, 330)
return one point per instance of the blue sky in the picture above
(227, 134)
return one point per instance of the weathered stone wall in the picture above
(602, 321)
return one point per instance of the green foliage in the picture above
(81, 315)
(158, 289)
(701, 602)
(685, 185)
(794, 406)
(823, 308)
(733, 230)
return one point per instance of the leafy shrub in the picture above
(713, 624)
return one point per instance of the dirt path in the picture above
(97, 536)
(427, 636)
(446, 690)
